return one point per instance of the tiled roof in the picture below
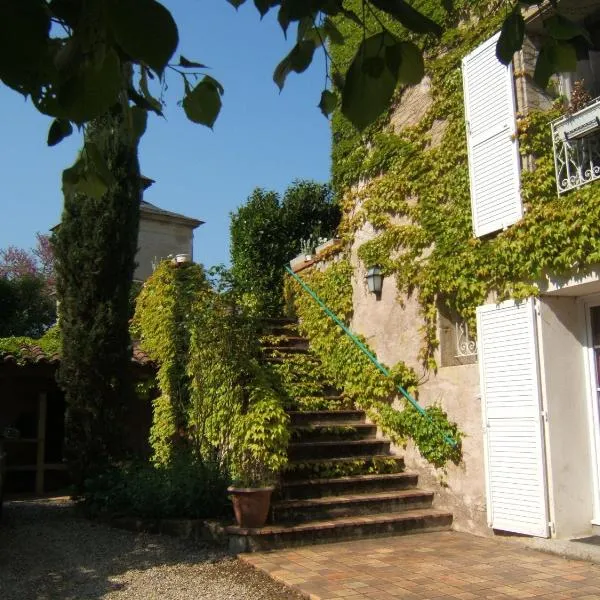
(34, 355)
(148, 208)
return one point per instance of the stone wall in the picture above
(158, 238)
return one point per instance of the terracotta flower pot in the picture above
(251, 505)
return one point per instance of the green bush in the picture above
(184, 489)
(268, 231)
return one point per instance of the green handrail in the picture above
(368, 353)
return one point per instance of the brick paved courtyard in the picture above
(431, 566)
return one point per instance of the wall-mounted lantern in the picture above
(375, 280)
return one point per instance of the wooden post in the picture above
(41, 443)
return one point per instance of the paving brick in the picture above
(430, 566)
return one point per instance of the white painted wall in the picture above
(564, 376)
(157, 239)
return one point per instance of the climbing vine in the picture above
(216, 402)
(413, 187)
(26, 348)
(358, 378)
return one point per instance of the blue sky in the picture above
(261, 139)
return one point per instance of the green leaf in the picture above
(139, 120)
(301, 55)
(203, 103)
(282, 70)
(59, 130)
(331, 7)
(412, 67)
(92, 90)
(236, 3)
(561, 28)
(96, 164)
(297, 60)
(511, 36)
(189, 64)
(332, 32)
(554, 57)
(328, 102)
(91, 185)
(24, 30)
(77, 179)
(411, 18)
(366, 95)
(145, 30)
(263, 6)
(283, 17)
(338, 80)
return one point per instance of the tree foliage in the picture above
(68, 55)
(95, 249)
(267, 232)
(28, 307)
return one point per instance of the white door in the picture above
(513, 423)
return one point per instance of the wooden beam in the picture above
(41, 443)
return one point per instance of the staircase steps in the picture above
(333, 507)
(343, 466)
(284, 342)
(326, 417)
(342, 486)
(337, 448)
(335, 530)
(341, 482)
(327, 432)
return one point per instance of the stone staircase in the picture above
(342, 481)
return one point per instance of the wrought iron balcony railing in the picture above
(576, 139)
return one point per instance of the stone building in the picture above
(162, 233)
(523, 387)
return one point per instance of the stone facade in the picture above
(162, 234)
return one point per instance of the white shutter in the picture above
(514, 451)
(494, 163)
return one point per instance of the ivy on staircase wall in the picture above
(353, 373)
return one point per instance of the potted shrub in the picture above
(251, 494)
(259, 454)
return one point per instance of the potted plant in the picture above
(251, 493)
(259, 454)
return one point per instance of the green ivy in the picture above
(21, 347)
(353, 373)
(216, 402)
(417, 197)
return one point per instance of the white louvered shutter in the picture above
(514, 450)
(494, 164)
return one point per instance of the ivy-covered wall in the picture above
(410, 189)
(404, 187)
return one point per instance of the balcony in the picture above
(576, 140)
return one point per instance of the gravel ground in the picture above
(48, 552)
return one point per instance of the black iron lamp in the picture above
(375, 280)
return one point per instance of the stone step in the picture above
(337, 448)
(338, 486)
(271, 350)
(351, 505)
(278, 320)
(330, 432)
(285, 341)
(329, 417)
(336, 530)
(347, 466)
